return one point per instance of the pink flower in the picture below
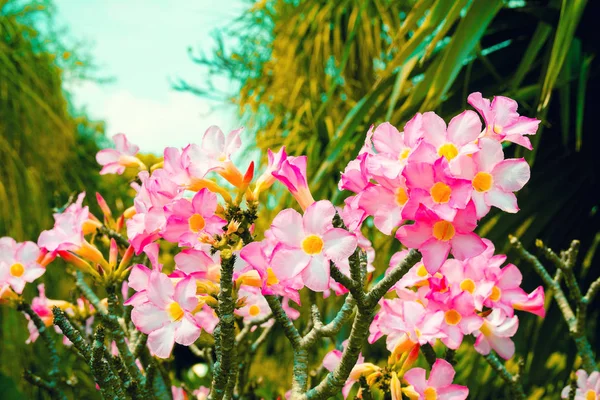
(292, 174)
(157, 191)
(18, 264)
(435, 237)
(495, 333)
(42, 306)
(178, 393)
(306, 244)
(267, 179)
(255, 306)
(468, 277)
(355, 177)
(114, 161)
(493, 178)
(588, 387)
(439, 385)
(394, 149)
(167, 316)
(180, 168)
(199, 264)
(188, 221)
(386, 202)
(257, 255)
(139, 277)
(403, 320)
(202, 393)
(502, 121)
(333, 359)
(459, 318)
(433, 187)
(68, 230)
(214, 154)
(506, 294)
(458, 139)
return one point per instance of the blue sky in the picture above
(143, 44)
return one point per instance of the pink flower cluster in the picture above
(473, 297)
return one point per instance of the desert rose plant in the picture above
(427, 185)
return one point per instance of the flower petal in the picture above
(339, 244)
(318, 217)
(316, 275)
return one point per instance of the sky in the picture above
(143, 46)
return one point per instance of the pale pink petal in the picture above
(417, 378)
(316, 275)
(287, 227)
(453, 392)
(160, 289)
(481, 208)
(147, 317)
(481, 104)
(523, 126)
(185, 294)
(339, 244)
(318, 217)
(442, 374)
(419, 175)
(213, 141)
(413, 130)
(288, 262)
(434, 129)
(464, 128)
(490, 154)
(27, 252)
(139, 277)
(332, 360)
(512, 174)
(506, 201)
(505, 347)
(107, 156)
(187, 332)
(510, 277)
(161, 341)
(505, 110)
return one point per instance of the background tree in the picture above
(314, 75)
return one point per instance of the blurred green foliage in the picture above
(314, 75)
(47, 154)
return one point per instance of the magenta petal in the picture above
(467, 245)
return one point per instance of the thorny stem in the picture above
(109, 384)
(225, 332)
(89, 294)
(120, 239)
(46, 337)
(44, 384)
(60, 320)
(575, 321)
(515, 386)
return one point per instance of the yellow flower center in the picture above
(17, 270)
(271, 278)
(404, 154)
(254, 310)
(196, 223)
(452, 317)
(440, 192)
(430, 393)
(496, 294)
(468, 285)
(591, 395)
(448, 150)
(422, 271)
(312, 244)
(401, 196)
(482, 182)
(175, 311)
(443, 230)
(497, 129)
(418, 332)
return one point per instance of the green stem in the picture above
(46, 337)
(516, 388)
(224, 368)
(61, 320)
(44, 384)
